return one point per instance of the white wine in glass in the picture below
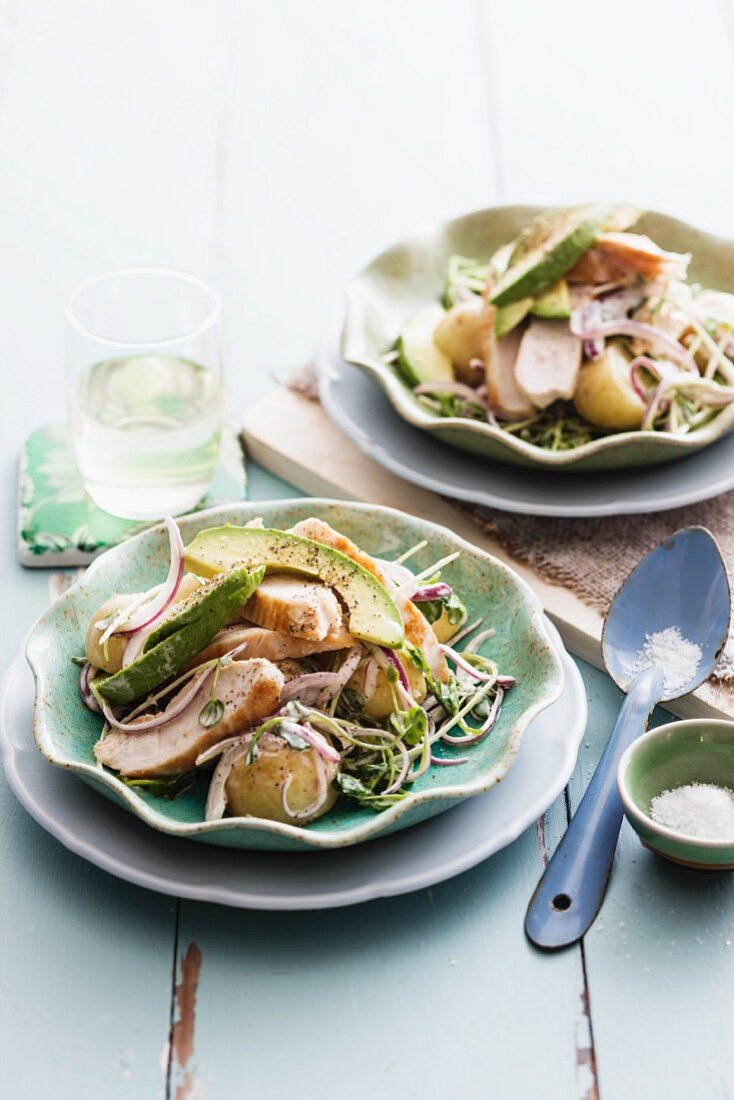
(145, 390)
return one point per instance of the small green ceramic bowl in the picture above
(700, 750)
(411, 275)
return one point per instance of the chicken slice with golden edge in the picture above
(281, 784)
(417, 630)
(259, 642)
(108, 657)
(249, 690)
(297, 607)
(625, 258)
(548, 362)
(505, 396)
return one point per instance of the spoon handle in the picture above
(572, 888)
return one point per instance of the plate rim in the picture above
(399, 395)
(315, 840)
(93, 851)
(328, 358)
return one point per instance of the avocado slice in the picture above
(500, 260)
(179, 639)
(464, 274)
(554, 303)
(419, 358)
(373, 614)
(546, 249)
(509, 317)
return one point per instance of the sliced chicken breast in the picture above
(548, 362)
(249, 690)
(269, 644)
(294, 606)
(626, 257)
(417, 629)
(505, 396)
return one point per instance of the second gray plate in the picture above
(359, 407)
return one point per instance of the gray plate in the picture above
(112, 839)
(359, 407)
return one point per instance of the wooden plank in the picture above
(107, 135)
(294, 438)
(440, 986)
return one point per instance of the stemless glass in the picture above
(145, 389)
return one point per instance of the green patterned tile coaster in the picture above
(58, 525)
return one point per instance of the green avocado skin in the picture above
(533, 272)
(178, 639)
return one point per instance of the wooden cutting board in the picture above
(294, 438)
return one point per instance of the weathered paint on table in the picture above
(273, 148)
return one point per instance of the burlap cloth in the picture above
(589, 557)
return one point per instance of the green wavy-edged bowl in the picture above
(65, 730)
(411, 274)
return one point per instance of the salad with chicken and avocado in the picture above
(578, 328)
(287, 669)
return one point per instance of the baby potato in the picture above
(604, 395)
(108, 657)
(115, 646)
(443, 629)
(378, 700)
(256, 790)
(461, 335)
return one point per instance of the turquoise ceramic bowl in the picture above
(699, 750)
(65, 730)
(411, 274)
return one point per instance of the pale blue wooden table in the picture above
(273, 148)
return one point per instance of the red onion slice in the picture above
(312, 737)
(589, 316)
(135, 644)
(506, 682)
(173, 710)
(642, 331)
(216, 799)
(402, 775)
(438, 591)
(464, 631)
(441, 762)
(465, 665)
(395, 571)
(322, 685)
(88, 673)
(392, 658)
(481, 733)
(153, 609)
(481, 638)
(309, 687)
(322, 792)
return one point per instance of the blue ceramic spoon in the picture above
(683, 584)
